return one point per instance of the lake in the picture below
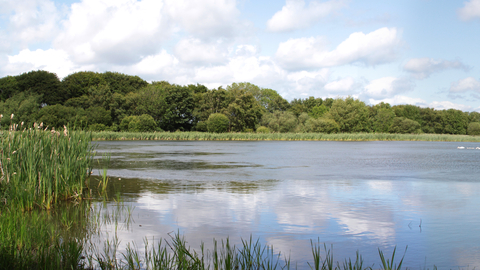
(349, 195)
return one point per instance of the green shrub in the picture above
(322, 125)
(201, 126)
(217, 123)
(263, 129)
(142, 123)
(403, 125)
(124, 125)
(280, 121)
(97, 127)
(145, 123)
(473, 128)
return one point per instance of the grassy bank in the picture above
(204, 136)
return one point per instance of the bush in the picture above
(217, 122)
(142, 123)
(124, 125)
(473, 128)
(263, 129)
(97, 127)
(280, 121)
(145, 123)
(321, 125)
(403, 125)
(201, 126)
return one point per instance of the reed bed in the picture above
(205, 136)
(40, 167)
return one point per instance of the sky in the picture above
(420, 52)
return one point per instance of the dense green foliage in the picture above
(117, 102)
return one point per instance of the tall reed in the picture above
(205, 136)
(40, 167)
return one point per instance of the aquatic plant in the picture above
(40, 167)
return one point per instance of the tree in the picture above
(98, 115)
(77, 84)
(411, 112)
(431, 120)
(149, 100)
(213, 101)
(350, 114)
(474, 129)
(280, 121)
(244, 112)
(383, 120)
(218, 123)
(318, 111)
(455, 121)
(23, 106)
(56, 116)
(122, 83)
(8, 87)
(271, 100)
(179, 105)
(43, 83)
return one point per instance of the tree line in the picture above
(118, 102)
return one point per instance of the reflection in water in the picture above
(354, 195)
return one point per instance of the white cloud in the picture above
(56, 61)
(306, 83)
(113, 31)
(157, 64)
(445, 105)
(295, 15)
(194, 51)
(399, 100)
(470, 11)
(30, 20)
(205, 19)
(345, 85)
(464, 85)
(387, 87)
(422, 68)
(438, 105)
(377, 47)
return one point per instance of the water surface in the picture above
(352, 195)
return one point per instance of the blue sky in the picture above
(420, 52)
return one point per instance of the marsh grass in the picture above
(41, 167)
(205, 136)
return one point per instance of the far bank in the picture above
(205, 136)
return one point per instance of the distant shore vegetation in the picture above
(112, 102)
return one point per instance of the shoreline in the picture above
(204, 136)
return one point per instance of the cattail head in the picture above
(65, 132)
(41, 124)
(11, 116)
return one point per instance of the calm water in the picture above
(352, 195)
